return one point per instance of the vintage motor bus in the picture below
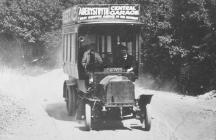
(110, 89)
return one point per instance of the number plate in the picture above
(113, 70)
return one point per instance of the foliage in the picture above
(176, 33)
(29, 19)
(183, 36)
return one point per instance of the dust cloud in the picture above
(27, 58)
(147, 81)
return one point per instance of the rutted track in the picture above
(42, 96)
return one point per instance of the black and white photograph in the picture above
(107, 70)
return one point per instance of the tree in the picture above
(175, 32)
(30, 19)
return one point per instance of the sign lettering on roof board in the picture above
(89, 12)
(70, 15)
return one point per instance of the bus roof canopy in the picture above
(96, 14)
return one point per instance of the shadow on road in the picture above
(101, 125)
(58, 111)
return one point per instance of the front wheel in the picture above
(88, 118)
(146, 118)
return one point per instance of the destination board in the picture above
(90, 12)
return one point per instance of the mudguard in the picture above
(144, 99)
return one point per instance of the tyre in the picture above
(88, 119)
(71, 100)
(65, 90)
(146, 118)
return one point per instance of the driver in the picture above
(126, 61)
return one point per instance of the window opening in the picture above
(107, 39)
(68, 47)
(65, 40)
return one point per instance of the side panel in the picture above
(70, 63)
(71, 70)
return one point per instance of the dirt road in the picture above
(45, 116)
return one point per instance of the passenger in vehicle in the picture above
(92, 61)
(126, 61)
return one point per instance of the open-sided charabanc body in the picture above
(110, 90)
